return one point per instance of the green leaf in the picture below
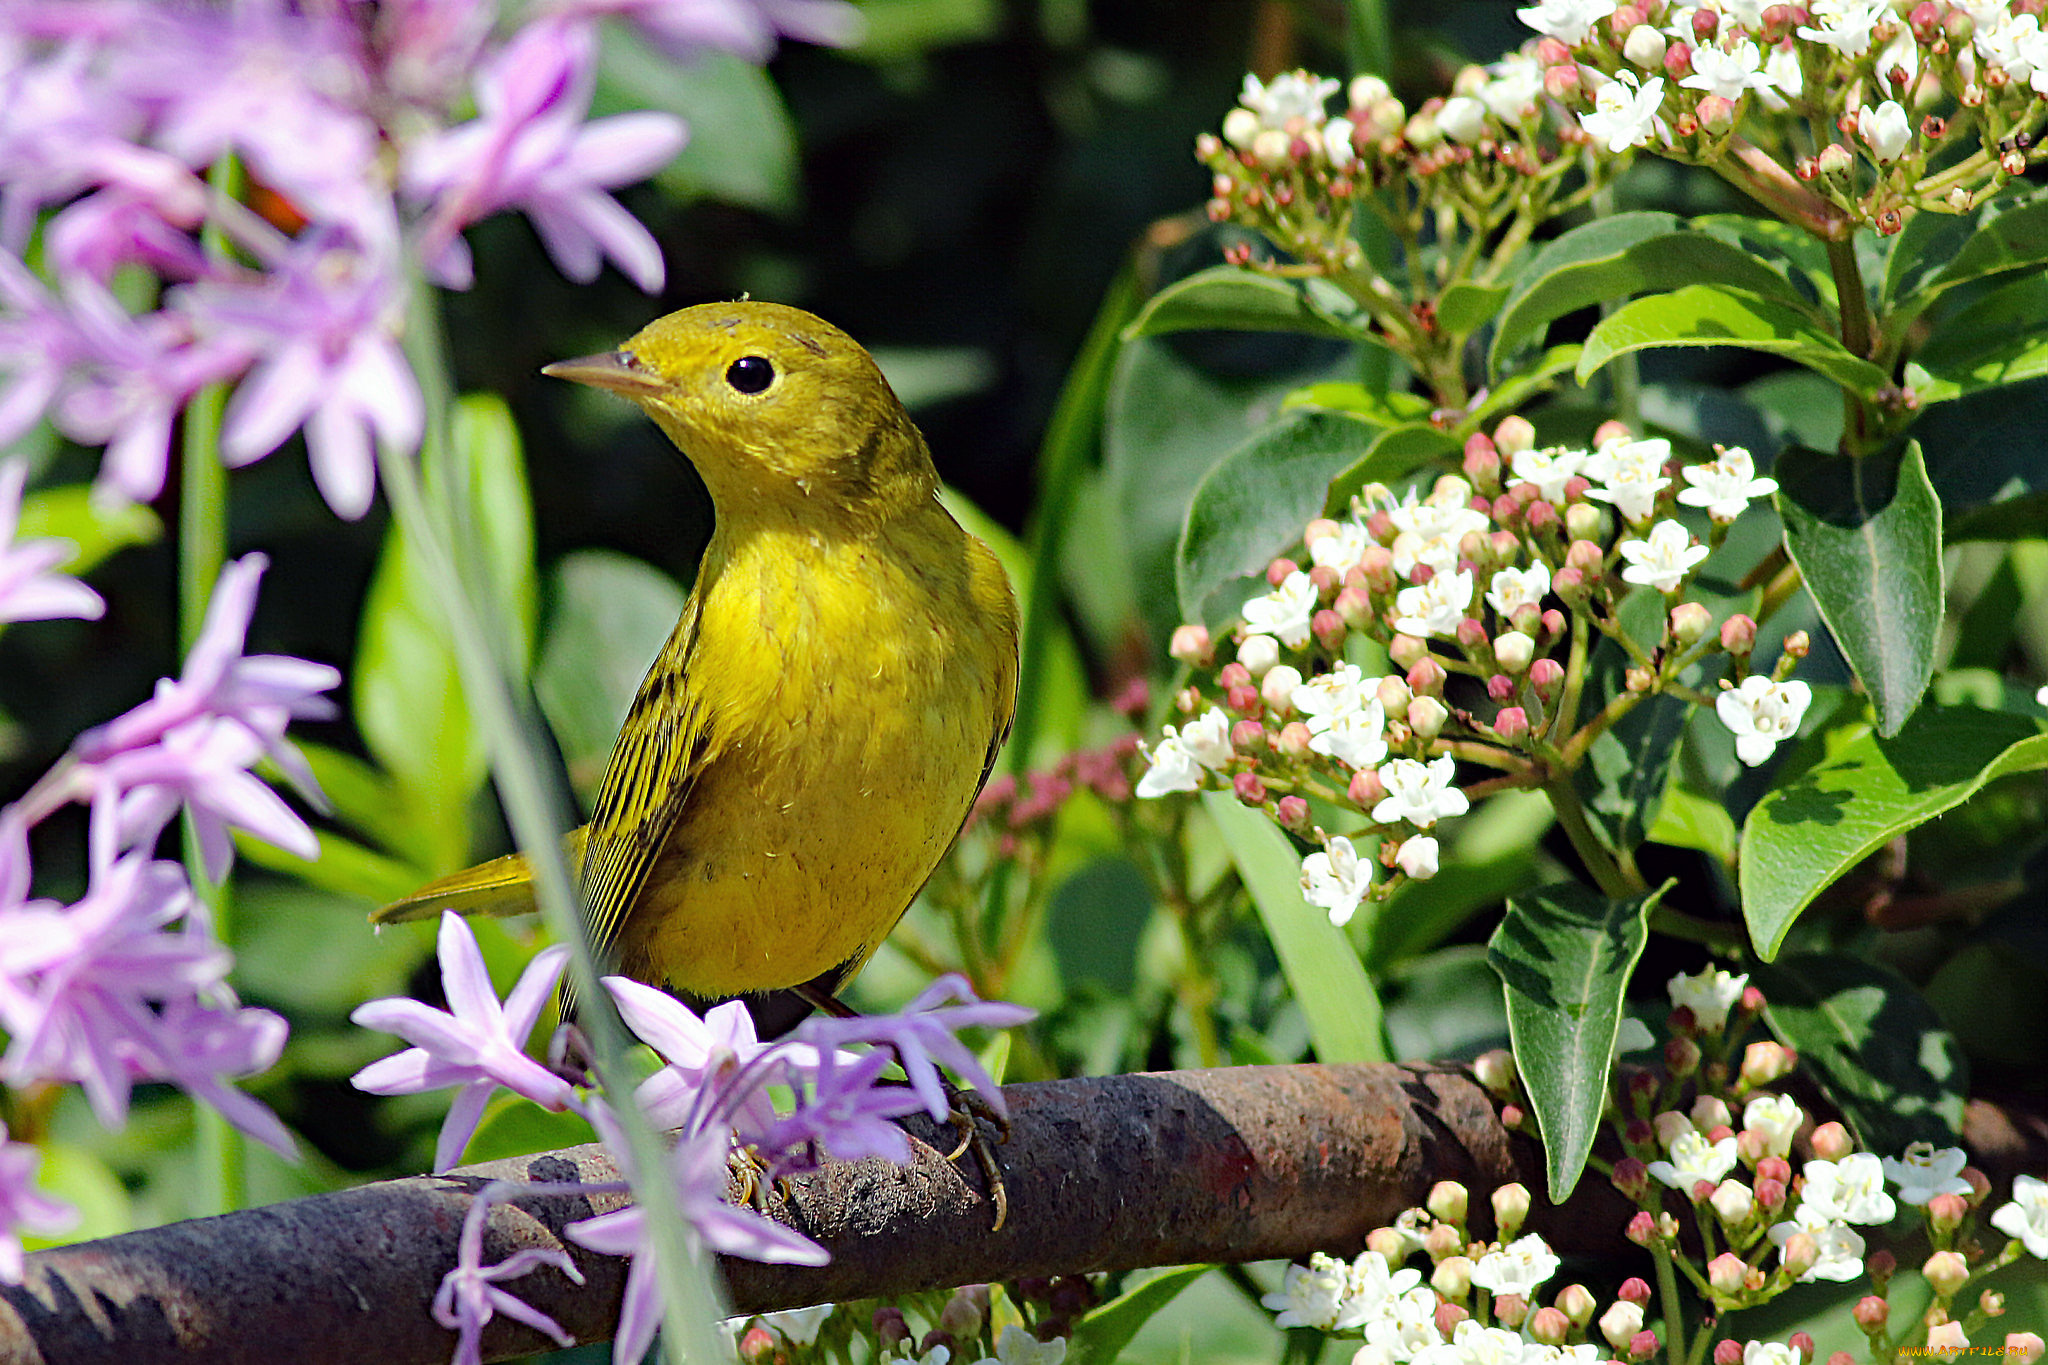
(1621, 784)
(515, 1126)
(1100, 1337)
(1791, 251)
(84, 1181)
(1865, 533)
(72, 514)
(1715, 315)
(1394, 453)
(1935, 252)
(1802, 836)
(342, 866)
(1877, 1048)
(1689, 820)
(1321, 969)
(1467, 306)
(1258, 499)
(742, 146)
(486, 445)
(1995, 341)
(610, 614)
(1613, 258)
(1228, 298)
(1565, 955)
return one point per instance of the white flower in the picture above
(1624, 115)
(1341, 548)
(1436, 607)
(1406, 1324)
(1356, 738)
(1277, 688)
(1338, 148)
(2026, 1216)
(1664, 559)
(1207, 738)
(1946, 1337)
(1585, 1353)
(1885, 129)
(1018, 1347)
(1417, 857)
(1173, 768)
(1850, 1190)
(1925, 1171)
(1550, 468)
(1694, 1159)
(1841, 1246)
(1472, 1343)
(1769, 1353)
(799, 1325)
(1725, 485)
(1429, 532)
(1336, 880)
(1317, 1295)
(1631, 475)
(1290, 95)
(1761, 713)
(1726, 74)
(1515, 588)
(1568, 21)
(1517, 1268)
(1732, 1202)
(1710, 994)
(1845, 24)
(1462, 119)
(1375, 1284)
(1787, 79)
(1420, 793)
(2011, 44)
(1328, 696)
(1516, 87)
(2041, 697)
(1258, 653)
(1774, 1119)
(1286, 611)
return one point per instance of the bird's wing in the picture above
(657, 760)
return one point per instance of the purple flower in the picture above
(77, 984)
(22, 1205)
(530, 149)
(469, 1297)
(28, 590)
(37, 345)
(845, 1112)
(202, 766)
(697, 1166)
(102, 232)
(703, 1056)
(925, 1030)
(684, 28)
(476, 1043)
(324, 327)
(197, 1048)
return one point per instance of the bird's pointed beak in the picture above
(619, 371)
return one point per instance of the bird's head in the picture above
(771, 404)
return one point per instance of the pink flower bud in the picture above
(1774, 1168)
(1613, 429)
(1327, 580)
(1482, 463)
(1690, 623)
(1366, 789)
(1550, 51)
(1678, 61)
(1541, 517)
(1709, 1111)
(1280, 570)
(1441, 1241)
(1380, 526)
(1727, 1352)
(1945, 1212)
(1738, 635)
(1553, 624)
(1671, 1126)
(1320, 529)
(1249, 789)
(1506, 509)
(1510, 1310)
(1425, 678)
(1449, 1315)
(1881, 1266)
(1716, 113)
(1732, 1202)
(1500, 687)
(1394, 696)
(1294, 740)
(1250, 737)
(1237, 674)
(1802, 1343)
(1643, 1345)
(1570, 584)
(1797, 644)
(1245, 701)
(1278, 686)
(1452, 1277)
(1770, 1195)
(1831, 1142)
(1329, 629)
(1426, 717)
(1947, 1272)
(1471, 634)
(1512, 725)
(1871, 1313)
(1549, 1326)
(1799, 1254)
(1589, 559)
(1408, 652)
(1354, 608)
(1388, 1243)
(1634, 1290)
(1766, 1061)
(1705, 23)
(1632, 1178)
(1577, 1303)
(1547, 677)
(1515, 434)
(1293, 814)
(1642, 1230)
(1192, 646)
(1376, 566)
(1513, 650)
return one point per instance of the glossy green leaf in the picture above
(1995, 341)
(342, 866)
(486, 444)
(1614, 258)
(513, 1125)
(610, 614)
(1467, 305)
(1393, 454)
(1716, 315)
(1805, 834)
(1100, 1337)
(1865, 534)
(97, 529)
(1689, 820)
(1621, 784)
(1938, 251)
(1791, 251)
(1565, 955)
(1329, 984)
(1229, 298)
(1876, 1046)
(1258, 499)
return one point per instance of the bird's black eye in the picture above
(751, 373)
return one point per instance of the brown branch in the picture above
(1172, 1168)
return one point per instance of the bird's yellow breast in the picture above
(852, 689)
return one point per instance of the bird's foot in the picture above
(570, 1055)
(968, 1112)
(749, 1178)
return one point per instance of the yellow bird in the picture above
(808, 742)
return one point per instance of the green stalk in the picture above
(534, 810)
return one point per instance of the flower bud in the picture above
(1277, 687)
(1394, 696)
(1620, 1323)
(1727, 1273)
(1738, 634)
(1945, 1212)
(1250, 737)
(1831, 1142)
(1681, 1055)
(1495, 1072)
(1881, 1266)
(1514, 435)
(1587, 557)
(1547, 677)
(1408, 652)
(1354, 607)
(1249, 789)
(1390, 1243)
(1482, 463)
(1678, 61)
(1245, 701)
(1293, 740)
(1471, 634)
(1425, 679)
(1583, 521)
(1671, 1126)
(1512, 725)
(1716, 113)
(1797, 644)
(1690, 623)
(1280, 570)
(1946, 1338)
(1705, 24)
(1549, 1326)
(1644, 1345)
(1643, 1230)
(1709, 1111)
(1510, 1310)
(1448, 1200)
(1192, 646)
(1835, 161)
(1329, 629)
(1799, 1254)
(1570, 584)
(1766, 1061)
(963, 1314)
(1426, 717)
(1727, 1352)
(1947, 1272)
(1239, 674)
(1326, 580)
(1500, 687)
(1577, 1303)
(1322, 528)
(1542, 517)
(1510, 1208)
(1871, 1313)
(1732, 1202)
(1644, 47)
(889, 1326)
(1513, 650)
(1366, 789)
(1448, 1316)
(1770, 1194)
(1452, 1277)
(2024, 1348)
(1293, 815)
(1441, 1241)
(1632, 1178)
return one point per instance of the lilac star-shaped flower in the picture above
(28, 590)
(925, 1031)
(469, 1296)
(477, 1043)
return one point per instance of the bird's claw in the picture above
(968, 1110)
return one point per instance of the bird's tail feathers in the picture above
(502, 886)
